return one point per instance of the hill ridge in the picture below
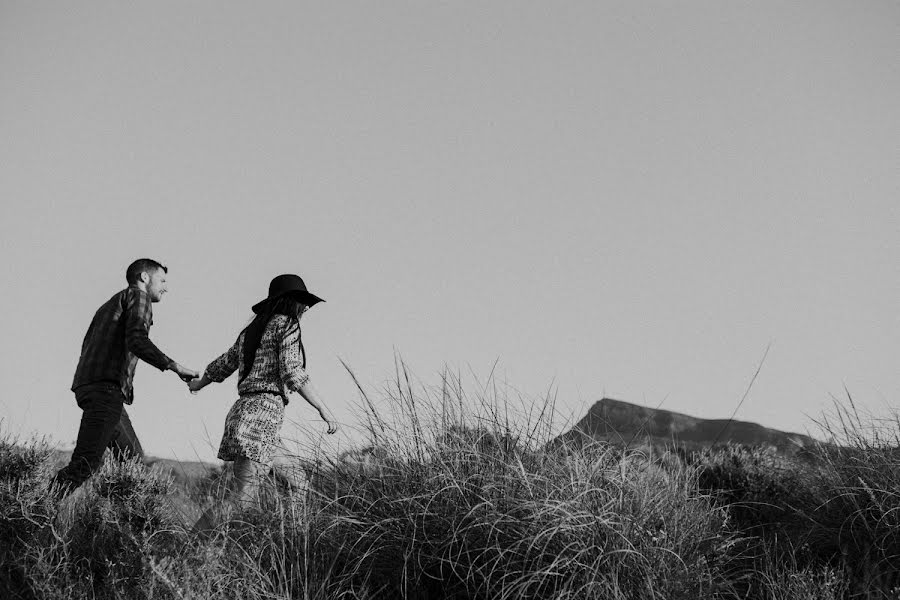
(618, 421)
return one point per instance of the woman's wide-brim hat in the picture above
(288, 284)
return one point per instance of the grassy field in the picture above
(458, 498)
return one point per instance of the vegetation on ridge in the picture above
(459, 499)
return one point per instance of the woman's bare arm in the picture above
(310, 394)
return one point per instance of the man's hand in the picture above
(195, 385)
(184, 373)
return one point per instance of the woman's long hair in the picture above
(285, 305)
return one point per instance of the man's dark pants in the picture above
(104, 424)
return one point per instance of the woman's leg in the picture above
(243, 490)
(245, 482)
(287, 470)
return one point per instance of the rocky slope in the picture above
(621, 422)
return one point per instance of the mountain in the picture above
(629, 424)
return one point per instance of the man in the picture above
(117, 337)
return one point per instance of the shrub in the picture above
(457, 496)
(763, 490)
(858, 518)
(109, 532)
(25, 507)
(469, 506)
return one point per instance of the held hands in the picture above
(195, 385)
(198, 383)
(184, 373)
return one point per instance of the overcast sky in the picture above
(624, 199)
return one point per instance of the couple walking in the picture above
(268, 356)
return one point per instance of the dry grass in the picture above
(457, 497)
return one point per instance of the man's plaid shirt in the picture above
(118, 336)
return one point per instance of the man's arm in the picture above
(137, 336)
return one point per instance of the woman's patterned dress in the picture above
(253, 424)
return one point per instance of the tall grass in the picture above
(25, 507)
(470, 505)
(458, 496)
(859, 515)
(832, 513)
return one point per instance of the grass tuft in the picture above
(459, 496)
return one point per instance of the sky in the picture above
(586, 198)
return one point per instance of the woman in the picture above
(270, 359)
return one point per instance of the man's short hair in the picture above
(141, 265)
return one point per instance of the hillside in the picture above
(630, 424)
(183, 472)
